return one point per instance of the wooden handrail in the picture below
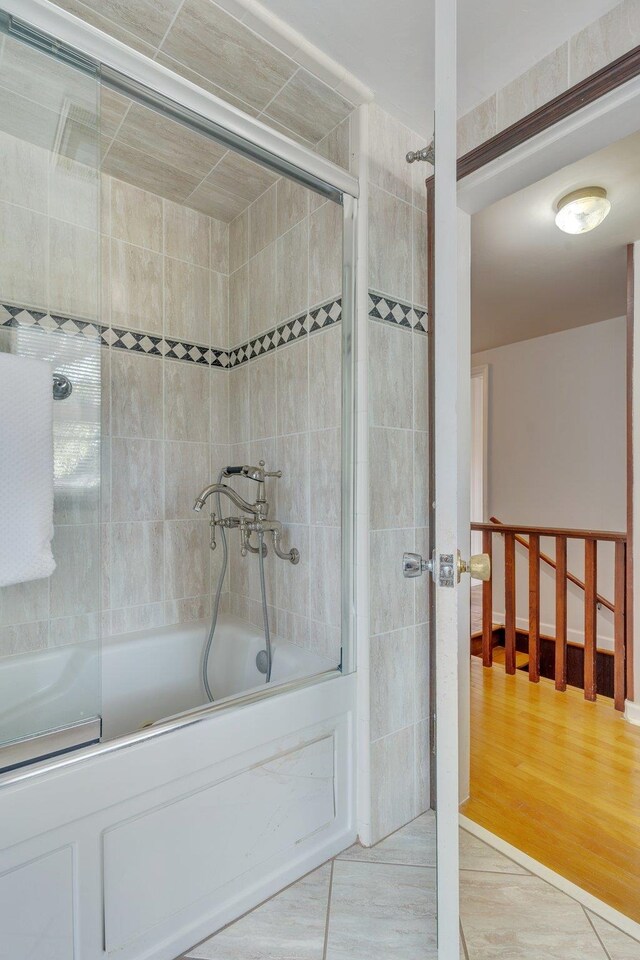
(611, 535)
(512, 535)
(571, 577)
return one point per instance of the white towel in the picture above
(26, 469)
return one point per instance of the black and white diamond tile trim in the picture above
(155, 346)
(397, 313)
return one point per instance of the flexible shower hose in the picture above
(216, 603)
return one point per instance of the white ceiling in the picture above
(389, 46)
(529, 279)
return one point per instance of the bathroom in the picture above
(186, 280)
(220, 727)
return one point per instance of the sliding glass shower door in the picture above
(50, 312)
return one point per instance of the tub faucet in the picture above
(239, 501)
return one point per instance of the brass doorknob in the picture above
(478, 566)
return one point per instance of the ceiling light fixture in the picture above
(582, 210)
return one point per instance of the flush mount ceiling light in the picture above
(582, 210)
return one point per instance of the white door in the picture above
(452, 449)
(452, 464)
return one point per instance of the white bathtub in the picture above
(155, 674)
(146, 677)
(142, 846)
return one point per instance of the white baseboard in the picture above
(632, 712)
(619, 920)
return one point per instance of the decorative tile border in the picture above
(397, 313)
(155, 346)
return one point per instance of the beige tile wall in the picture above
(606, 39)
(285, 259)
(398, 493)
(168, 427)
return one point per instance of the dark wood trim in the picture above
(570, 533)
(510, 602)
(630, 341)
(619, 628)
(614, 75)
(487, 605)
(534, 608)
(561, 614)
(590, 617)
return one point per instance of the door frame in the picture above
(602, 109)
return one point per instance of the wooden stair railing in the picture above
(513, 534)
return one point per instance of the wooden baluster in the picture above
(590, 617)
(534, 608)
(510, 602)
(561, 613)
(487, 606)
(619, 626)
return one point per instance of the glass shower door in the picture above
(49, 311)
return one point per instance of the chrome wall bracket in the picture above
(428, 154)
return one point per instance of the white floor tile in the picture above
(291, 926)
(382, 911)
(508, 917)
(413, 844)
(618, 945)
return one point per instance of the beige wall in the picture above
(557, 454)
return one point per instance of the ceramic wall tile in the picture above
(293, 253)
(136, 288)
(219, 246)
(136, 395)
(136, 479)
(186, 301)
(262, 221)
(293, 388)
(393, 781)
(543, 82)
(186, 570)
(390, 264)
(149, 20)
(325, 253)
(219, 291)
(186, 402)
(391, 691)
(391, 595)
(389, 142)
(604, 40)
(245, 64)
(325, 378)
(23, 256)
(239, 241)
(137, 561)
(136, 215)
(262, 291)
(391, 458)
(390, 376)
(23, 173)
(326, 477)
(262, 406)
(187, 234)
(293, 487)
(477, 125)
(22, 602)
(326, 593)
(239, 306)
(309, 107)
(75, 583)
(219, 389)
(292, 204)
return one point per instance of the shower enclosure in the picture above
(188, 275)
(187, 284)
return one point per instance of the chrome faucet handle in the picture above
(269, 473)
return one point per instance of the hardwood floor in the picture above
(559, 778)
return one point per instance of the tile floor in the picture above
(379, 904)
